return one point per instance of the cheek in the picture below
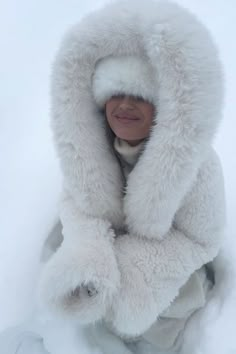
(148, 113)
(109, 107)
(108, 112)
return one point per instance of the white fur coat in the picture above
(125, 256)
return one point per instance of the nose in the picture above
(125, 104)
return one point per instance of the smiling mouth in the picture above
(126, 118)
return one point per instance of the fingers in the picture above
(83, 291)
(91, 290)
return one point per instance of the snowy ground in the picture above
(30, 32)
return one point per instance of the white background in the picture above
(30, 32)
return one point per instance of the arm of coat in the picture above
(79, 280)
(153, 271)
(81, 277)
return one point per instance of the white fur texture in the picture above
(173, 209)
(124, 75)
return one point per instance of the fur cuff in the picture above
(79, 281)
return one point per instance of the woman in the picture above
(136, 101)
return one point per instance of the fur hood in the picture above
(189, 101)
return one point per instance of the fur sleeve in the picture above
(80, 279)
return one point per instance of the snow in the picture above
(30, 33)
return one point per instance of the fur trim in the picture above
(153, 271)
(126, 75)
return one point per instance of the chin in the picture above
(124, 136)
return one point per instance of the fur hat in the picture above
(129, 75)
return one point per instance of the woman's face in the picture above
(129, 117)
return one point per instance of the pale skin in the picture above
(129, 117)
